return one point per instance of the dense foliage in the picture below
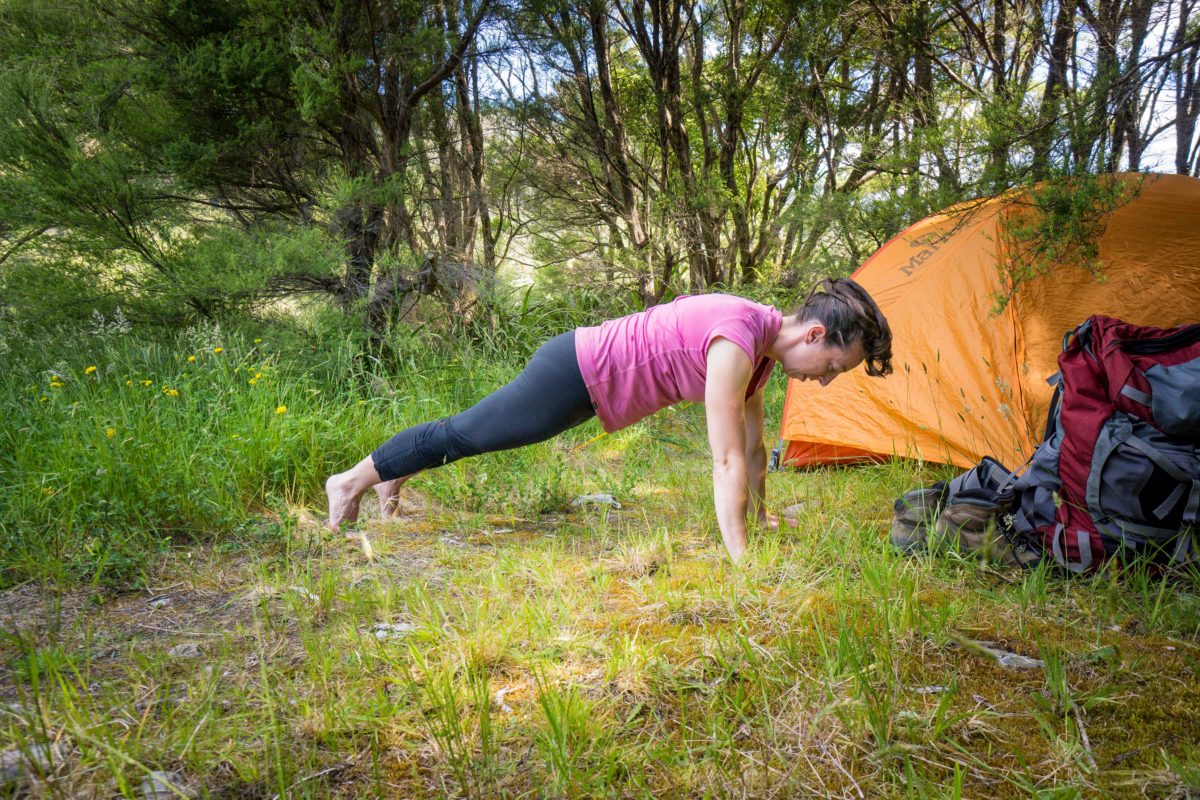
(183, 159)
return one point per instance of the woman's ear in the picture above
(814, 334)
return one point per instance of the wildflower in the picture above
(252, 381)
(281, 410)
(47, 490)
(56, 384)
(128, 382)
(258, 341)
(171, 392)
(235, 436)
(89, 370)
(110, 432)
(191, 359)
(218, 349)
(43, 399)
(147, 382)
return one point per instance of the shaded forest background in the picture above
(186, 160)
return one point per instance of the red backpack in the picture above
(1122, 441)
(1117, 473)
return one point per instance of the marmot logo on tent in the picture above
(918, 259)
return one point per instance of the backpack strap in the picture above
(1054, 380)
(1192, 511)
(1155, 455)
(1082, 539)
(1185, 547)
(1136, 395)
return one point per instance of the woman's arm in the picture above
(728, 374)
(756, 457)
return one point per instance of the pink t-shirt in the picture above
(636, 365)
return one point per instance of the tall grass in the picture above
(501, 643)
(118, 447)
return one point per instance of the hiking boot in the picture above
(915, 513)
(971, 527)
(964, 525)
(1014, 551)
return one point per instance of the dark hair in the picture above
(851, 317)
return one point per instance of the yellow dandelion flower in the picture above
(89, 370)
(252, 381)
(191, 359)
(171, 392)
(281, 410)
(43, 399)
(258, 341)
(235, 436)
(218, 349)
(56, 384)
(110, 432)
(147, 383)
(128, 382)
(47, 490)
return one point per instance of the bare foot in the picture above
(389, 497)
(343, 503)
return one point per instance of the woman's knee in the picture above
(457, 439)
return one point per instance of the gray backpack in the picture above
(1117, 474)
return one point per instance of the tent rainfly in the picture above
(967, 382)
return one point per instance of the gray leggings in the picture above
(547, 398)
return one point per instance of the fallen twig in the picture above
(1087, 745)
(335, 768)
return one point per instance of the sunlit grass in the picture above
(501, 643)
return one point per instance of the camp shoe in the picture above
(915, 512)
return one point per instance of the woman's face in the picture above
(813, 360)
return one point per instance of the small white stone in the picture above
(391, 630)
(598, 499)
(305, 593)
(185, 650)
(794, 509)
(37, 760)
(162, 785)
(11, 765)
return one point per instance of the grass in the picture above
(540, 650)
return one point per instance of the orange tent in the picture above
(968, 383)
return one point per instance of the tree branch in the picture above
(21, 242)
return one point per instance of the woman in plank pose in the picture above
(714, 348)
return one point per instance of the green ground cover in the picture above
(172, 604)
